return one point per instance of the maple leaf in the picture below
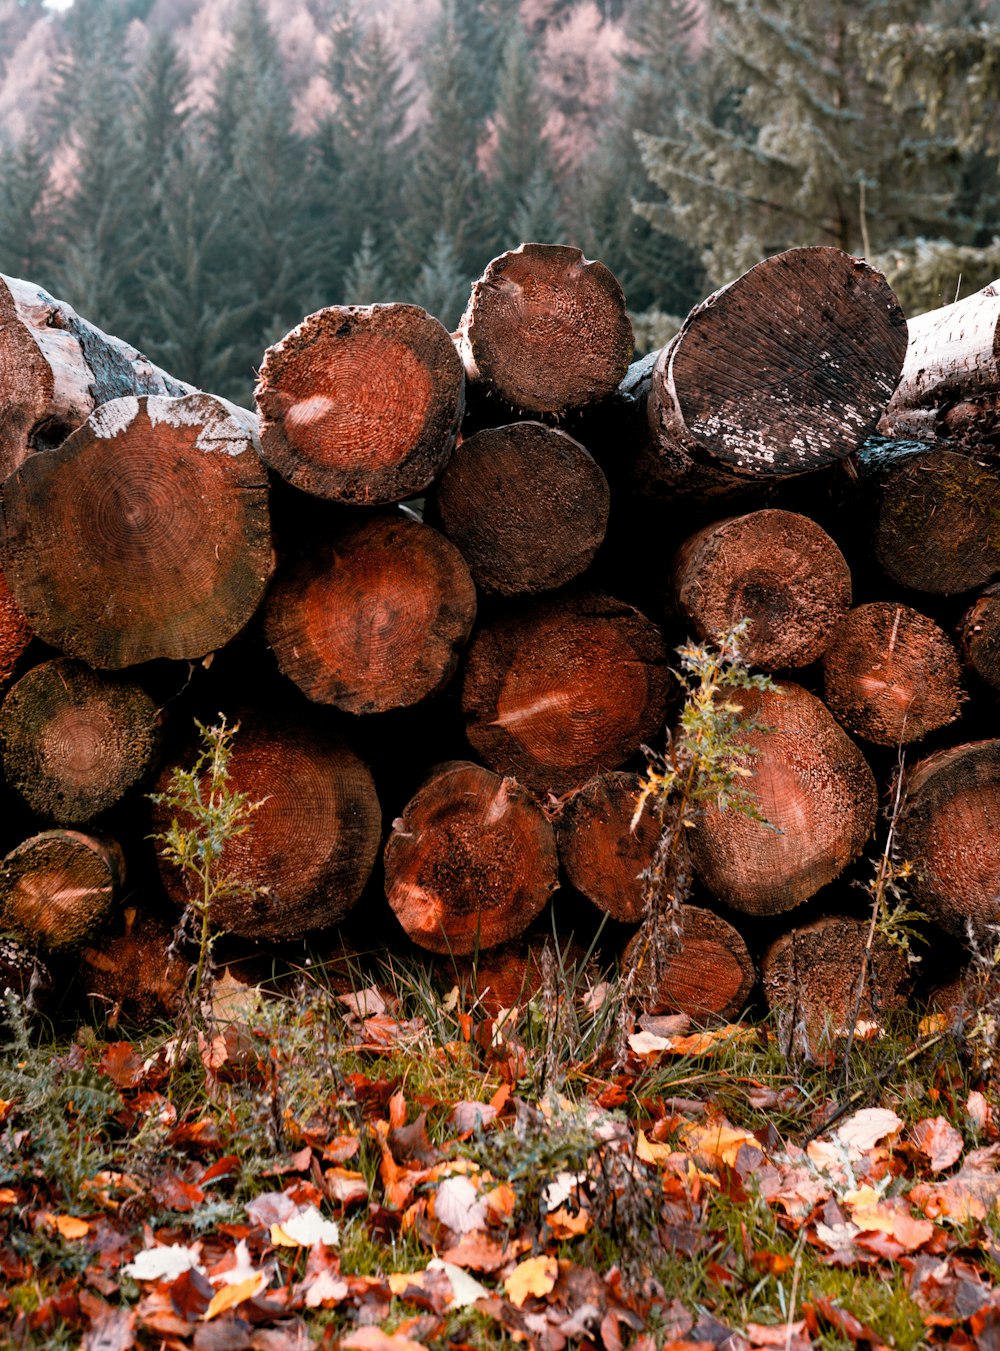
(122, 1065)
(863, 1131)
(535, 1276)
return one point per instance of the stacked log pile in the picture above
(438, 581)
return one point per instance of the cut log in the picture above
(15, 633)
(814, 788)
(812, 982)
(471, 862)
(55, 369)
(58, 888)
(980, 636)
(133, 970)
(507, 976)
(890, 675)
(563, 687)
(361, 403)
(74, 741)
(527, 506)
(600, 853)
(308, 851)
(778, 569)
(785, 370)
(937, 523)
(546, 330)
(950, 383)
(373, 618)
(949, 827)
(710, 978)
(145, 534)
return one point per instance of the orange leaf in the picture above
(939, 1141)
(374, 1339)
(8, 1196)
(228, 1296)
(68, 1226)
(565, 1225)
(534, 1276)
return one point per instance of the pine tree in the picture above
(366, 281)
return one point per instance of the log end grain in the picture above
(58, 888)
(132, 970)
(980, 636)
(15, 633)
(709, 978)
(601, 854)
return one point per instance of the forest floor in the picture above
(392, 1168)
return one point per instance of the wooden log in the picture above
(949, 827)
(812, 982)
(374, 617)
(563, 687)
(950, 382)
(709, 979)
(815, 789)
(361, 403)
(58, 888)
(56, 368)
(546, 330)
(778, 569)
(15, 633)
(308, 851)
(132, 970)
(891, 675)
(526, 504)
(471, 862)
(145, 534)
(507, 976)
(937, 515)
(74, 741)
(785, 370)
(601, 855)
(979, 636)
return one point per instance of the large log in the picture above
(812, 979)
(58, 888)
(145, 534)
(814, 788)
(526, 504)
(546, 330)
(360, 403)
(15, 633)
(560, 688)
(785, 370)
(131, 968)
(891, 675)
(937, 526)
(601, 854)
(778, 569)
(949, 827)
(56, 368)
(471, 862)
(308, 851)
(980, 636)
(950, 383)
(75, 741)
(374, 617)
(709, 977)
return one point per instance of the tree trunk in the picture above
(545, 330)
(471, 862)
(373, 618)
(361, 403)
(710, 978)
(145, 534)
(308, 850)
(561, 688)
(980, 636)
(75, 741)
(812, 982)
(938, 510)
(58, 888)
(890, 675)
(815, 789)
(55, 369)
(133, 971)
(949, 826)
(784, 370)
(950, 385)
(601, 854)
(778, 569)
(526, 504)
(15, 633)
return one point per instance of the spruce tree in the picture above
(366, 281)
(442, 287)
(27, 217)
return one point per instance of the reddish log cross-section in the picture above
(74, 741)
(15, 633)
(130, 968)
(811, 783)
(563, 687)
(361, 403)
(980, 636)
(58, 888)
(709, 978)
(145, 534)
(601, 854)
(374, 617)
(471, 862)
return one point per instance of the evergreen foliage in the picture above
(521, 167)
(366, 281)
(27, 209)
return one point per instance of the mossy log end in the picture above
(58, 888)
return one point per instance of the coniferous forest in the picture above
(196, 177)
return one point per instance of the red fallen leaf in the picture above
(409, 1144)
(466, 1116)
(196, 1136)
(985, 1329)
(190, 1294)
(612, 1097)
(111, 1330)
(176, 1194)
(372, 1094)
(122, 1065)
(773, 1263)
(476, 1251)
(939, 1142)
(229, 1163)
(340, 1148)
(824, 1311)
(345, 1187)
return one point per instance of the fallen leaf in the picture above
(166, 1261)
(717, 1140)
(304, 1229)
(345, 1186)
(467, 1116)
(863, 1131)
(563, 1186)
(326, 1291)
(233, 1001)
(111, 1330)
(978, 1110)
(534, 1276)
(374, 1339)
(465, 1290)
(366, 1003)
(478, 1252)
(122, 1065)
(939, 1141)
(230, 1295)
(564, 1224)
(68, 1226)
(459, 1205)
